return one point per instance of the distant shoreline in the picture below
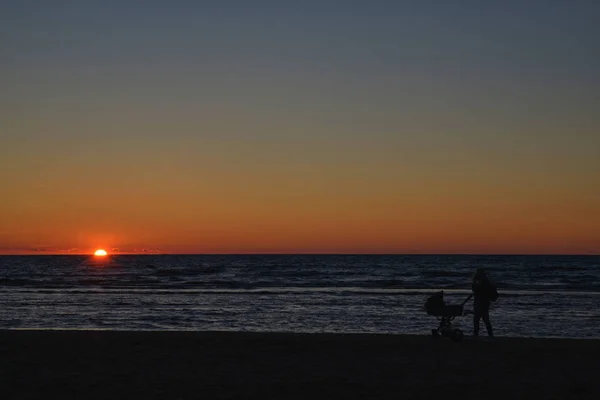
(317, 254)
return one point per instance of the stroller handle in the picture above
(468, 298)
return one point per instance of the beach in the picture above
(237, 365)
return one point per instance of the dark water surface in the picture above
(541, 296)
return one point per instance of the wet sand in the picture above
(219, 365)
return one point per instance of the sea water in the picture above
(540, 296)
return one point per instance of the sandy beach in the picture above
(220, 365)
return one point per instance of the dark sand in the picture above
(207, 365)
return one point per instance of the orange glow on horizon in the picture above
(382, 219)
(100, 253)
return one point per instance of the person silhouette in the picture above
(483, 292)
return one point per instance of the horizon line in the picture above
(291, 254)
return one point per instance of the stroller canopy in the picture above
(436, 306)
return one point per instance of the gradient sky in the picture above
(300, 126)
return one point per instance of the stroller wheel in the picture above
(457, 335)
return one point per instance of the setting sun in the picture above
(100, 253)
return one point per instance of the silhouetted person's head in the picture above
(479, 274)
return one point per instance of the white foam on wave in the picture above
(299, 290)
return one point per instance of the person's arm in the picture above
(468, 298)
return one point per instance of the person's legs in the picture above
(486, 319)
(476, 317)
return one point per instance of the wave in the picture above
(177, 282)
(294, 290)
(369, 273)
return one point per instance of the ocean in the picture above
(540, 296)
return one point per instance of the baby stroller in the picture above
(436, 306)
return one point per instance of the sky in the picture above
(300, 126)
